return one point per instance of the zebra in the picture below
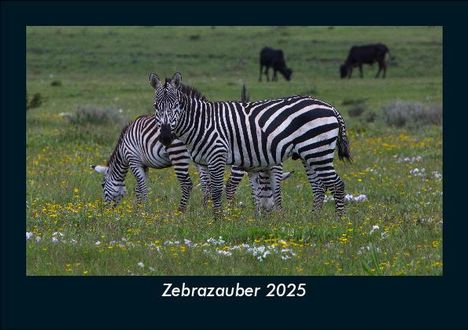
(263, 196)
(139, 148)
(266, 195)
(255, 136)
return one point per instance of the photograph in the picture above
(234, 150)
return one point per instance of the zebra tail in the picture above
(342, 141)
(244, 94)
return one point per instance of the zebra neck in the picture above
(118, 166)
(195, 117)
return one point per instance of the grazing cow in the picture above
(273, 58)
(369, 54)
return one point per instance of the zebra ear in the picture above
(154, 80)
(176, 79)
(99, 168)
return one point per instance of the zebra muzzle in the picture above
(165, 135)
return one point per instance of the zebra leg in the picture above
(254, 182)
(318, 189)
(331, 180)
(141, 190)
(260, 181)
(337, 188)
(233, 182)
(186, 185)
(275, 179)
(216, 171)
(205, 183)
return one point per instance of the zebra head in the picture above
(166, 105)
(113, 190)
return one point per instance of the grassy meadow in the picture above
(396, 229)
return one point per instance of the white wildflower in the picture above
(29, 235)
(224, 253)
(140, 264)
(55, 240)
(348, 197)
(374, 229)
(38, 239)
(360, 198)
(98, 243)
(437, 175)
(409, 159)
(214, 241)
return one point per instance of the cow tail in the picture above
(342, 141)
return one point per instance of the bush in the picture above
(96, 116)
(354, 101)
(405, 113)
(357, 109)
(56, 83)
(35, 102)
(370, 117)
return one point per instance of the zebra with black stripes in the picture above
(266, 191)
(139, 148)
(256, 135)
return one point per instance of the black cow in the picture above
(274, 58)
(369, 54)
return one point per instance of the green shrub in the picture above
(354, 101)
(35, 102)
(357, 109)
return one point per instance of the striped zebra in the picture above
(266, 194)
(138, 148)
(255, 135)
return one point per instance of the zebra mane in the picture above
(121, 136)
(190, 91)
(116, 148)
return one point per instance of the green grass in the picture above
(109, 67)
